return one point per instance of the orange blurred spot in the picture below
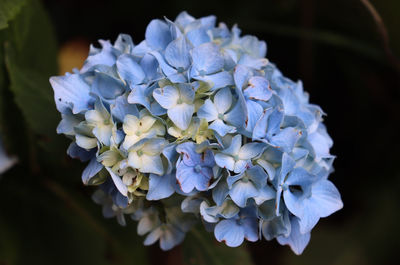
(72, 54)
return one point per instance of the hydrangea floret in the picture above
(194, 124)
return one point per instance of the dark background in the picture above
(343, 58)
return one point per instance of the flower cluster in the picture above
(194, 123)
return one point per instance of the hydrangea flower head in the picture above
(195, 116)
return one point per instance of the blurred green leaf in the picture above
(8, 10)
(30, 55)
(200, 248)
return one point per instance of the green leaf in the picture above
(200, 248)
(8, 10)
(30, 55)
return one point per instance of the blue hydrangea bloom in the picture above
(197, 117)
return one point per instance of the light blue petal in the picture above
(166, 96)
(234, 147)
(106, 56)
(149, 66)
(237, 116)
(189, 179)
(107, 87)
(160, 187)
(229, 232)
(181, 115)
(121, 108)
(187, 93)
(91, 170)
(158, 35)
(208, 111)
(189, 155)
(118, 182)
(207, 59)
(225, 161)
(130, 70)
(198, 37)
(295, 240)
(254, 113)
(251, 62)
(218, 80)
(71, 92)
(286, 139)
(124, 43)
(83, 155)
(221, 128)
(265, 194)
(241, 76)
(220, 192)
(258, 176)
(223, 100)
(277, 226)
(326, 198)
(171, 237)
(177, 54)
(258, 89)
(139, 96)
(241, 191)
(250, 227)
(251, 150)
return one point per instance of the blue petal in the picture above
(189, 179)
(220, 192)
(124, 43)
(295, 240)
(230, 232)
(181, 115)
(251, 150)
(221, 128)
(252, 62)
(75, 151)
(171, 237)
(158, 35)
(91, 170)
(166, 96)
(218, 80)
(121, 108)
(107, 87)
(254, 113)
(223, 100)
(286, 139)
(130, 70)
(189, 155)
(177, 54)
(258, 89)
(208, 111)
(257, 176)
(160, 187)
(241, 191)
(118, 182)
(207, 59)
(106, 56)
(250, 227)
(225, 161)
(71, 92)
(241, 76)
(237, 116)
(198, 37)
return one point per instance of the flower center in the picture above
(236, 157)
(180, 70)
(197, 168)
(179, 101)
(140, 153)
(106, 122)
(221, 116)
(138, 133)
(202, 72)
(245, 179)
(284, 186)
